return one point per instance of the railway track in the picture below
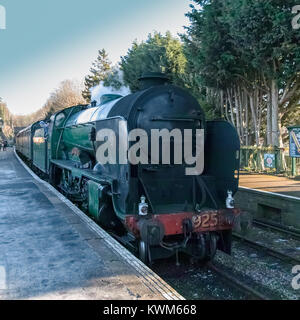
(233, 281)
(223, 275)
(276, 227)
(237, 284)
(272, 252)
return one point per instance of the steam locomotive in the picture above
(156, 209)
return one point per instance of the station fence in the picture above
(253, 159)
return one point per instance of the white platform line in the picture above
(270, 193)
(3, 283)
(151, 279)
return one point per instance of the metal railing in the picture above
(254, 159)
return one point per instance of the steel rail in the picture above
(277, 227)
(253, 293)
(272, 252)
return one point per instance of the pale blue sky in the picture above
(52, 40)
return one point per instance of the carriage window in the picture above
(39, 133)
(60, 119)
(72, 120)
(39, 136)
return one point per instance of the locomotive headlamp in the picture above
(143, 207)
(229, 200)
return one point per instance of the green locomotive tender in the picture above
(155, 209)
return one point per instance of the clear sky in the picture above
(48, 41)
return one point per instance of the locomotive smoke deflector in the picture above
(108, 98)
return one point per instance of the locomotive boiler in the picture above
(153, 206)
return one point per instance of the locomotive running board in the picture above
(88, 173)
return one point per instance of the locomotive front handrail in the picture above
(187, 119)
(76, 125)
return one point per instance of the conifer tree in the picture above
(98, 72)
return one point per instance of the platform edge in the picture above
(151, 279)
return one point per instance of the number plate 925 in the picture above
(206, 220)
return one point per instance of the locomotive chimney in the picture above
(152, 79)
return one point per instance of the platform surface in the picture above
(281, 185)
(48, 252)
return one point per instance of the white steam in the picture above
(98, 91)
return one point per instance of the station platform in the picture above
(269, 183)
(49, 249)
